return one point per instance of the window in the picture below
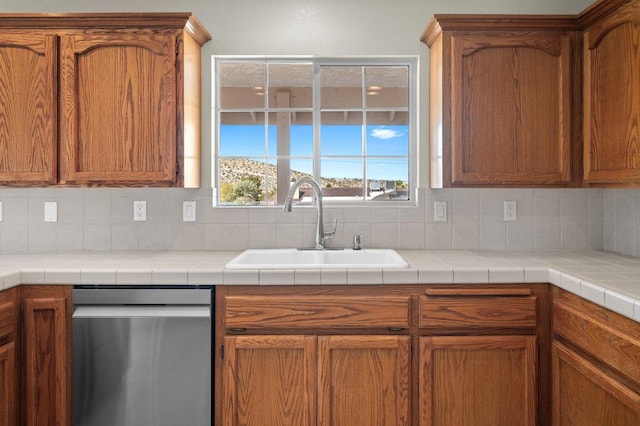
(349, 124)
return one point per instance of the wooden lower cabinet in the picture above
(395, 355)
(316, 380)
(46, 312)
(8, 384)
(364, 380)
(585, 395)
(477, 380)
(595, 364)
(269, 380)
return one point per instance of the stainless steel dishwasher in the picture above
(142, 356)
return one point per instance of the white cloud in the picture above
(384, 133)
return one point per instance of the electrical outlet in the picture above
(510, 208)
(139, 211)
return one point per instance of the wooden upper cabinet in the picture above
(501, 100)
(128, 91)
(119, 102)
(28, 107)
(611, 87)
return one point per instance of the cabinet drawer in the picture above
(452, 309)
(7, 313)
(610, 338)
(294, 312)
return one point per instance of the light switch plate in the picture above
(439, 211)
(188, 211)
(0, 211)
(50, 211)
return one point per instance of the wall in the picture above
(102, 219)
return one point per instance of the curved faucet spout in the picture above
(321, 235)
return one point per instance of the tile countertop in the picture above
(607, 279)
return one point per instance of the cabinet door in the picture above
(118, 100)
(269, 380)
(476, 381)
(8, 385)
(612, 98)
(583, 394)
(47, 346)
(28, 108)
(511, 108)
(364, 380)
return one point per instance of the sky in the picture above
(335, 140)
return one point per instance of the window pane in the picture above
(241, 85)
(341, 87)
(297, 139)
(242, 181)
(387, 86)
(342, 178)
(341, 133)
(291, 85)
(242, 134)
(388, 179)
(302, 140)
(387, 140)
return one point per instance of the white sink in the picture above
(317, 259)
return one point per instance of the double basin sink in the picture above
(317, 259)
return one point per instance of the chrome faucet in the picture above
(321, 235)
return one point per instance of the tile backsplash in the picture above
(102, 219)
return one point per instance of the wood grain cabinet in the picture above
(611, 91)
(502, 110)
(313, 357)
(381, 355)
(46, 337)
(9, 377)
(595, 364)
(480, 366)
(127, 88)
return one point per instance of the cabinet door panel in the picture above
(583, 394)
(28, 108)
(8, 385)
(483, 380)
(364, 380)
(511, 109)
(47, 346)
(119, 100)
(269, 380)
(612, 98)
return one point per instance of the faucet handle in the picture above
(357, 239)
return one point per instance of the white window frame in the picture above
(411, 61)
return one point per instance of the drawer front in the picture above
(611, 338)
(295, 312)
(453, 312)
(7, 313)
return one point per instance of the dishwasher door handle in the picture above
(142, 311)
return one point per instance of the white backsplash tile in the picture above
(102, 219)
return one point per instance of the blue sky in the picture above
(335, 140)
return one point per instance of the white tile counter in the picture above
(607, 279)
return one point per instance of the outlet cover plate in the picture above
(510, 211)
(139, 211)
